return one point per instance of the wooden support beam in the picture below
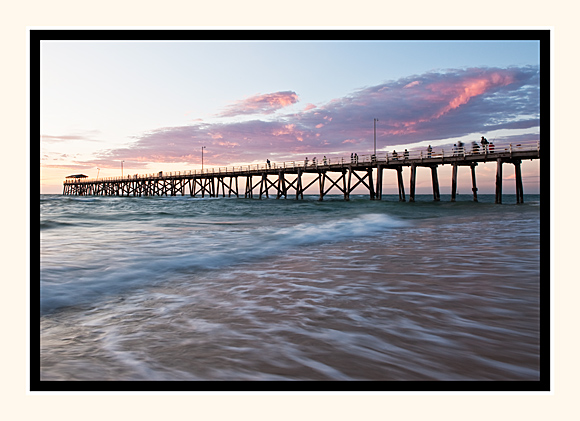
(264, 185)
(412, 181)
(453, 181)
(249, 188)
(498, 181)
(362, 180)
(291, 184)
(435, 182)
(261, 186)
(344, 187)
(379, 189)
(310, 184)
(335, 183)
(321, 178)
(371, 184)
(519, 184)
(401, 185)
(473, 182)
(281, 185)
(299, 191)
(348, 188)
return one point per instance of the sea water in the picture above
(181, 288)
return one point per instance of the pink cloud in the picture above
(261, 104)
(439, 106)
(410, 85)
(471, 87)
(77, 137)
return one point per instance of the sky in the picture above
(152, 106)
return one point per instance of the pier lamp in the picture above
(202, 148)
(375, 127)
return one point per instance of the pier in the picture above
(285, 179)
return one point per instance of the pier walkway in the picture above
(287, 177)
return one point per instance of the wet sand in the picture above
(401, 306)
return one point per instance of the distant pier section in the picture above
(286, 178)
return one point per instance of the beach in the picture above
(232, 289)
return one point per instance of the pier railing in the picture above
(388, 157)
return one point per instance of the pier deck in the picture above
(288, 175)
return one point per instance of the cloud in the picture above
(261, 104)
(65, 138)
(69, 166)
(432, 106)
(410, 85)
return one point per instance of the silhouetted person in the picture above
(484, 144)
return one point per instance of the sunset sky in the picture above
(154, 105)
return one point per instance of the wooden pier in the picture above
(286, 178)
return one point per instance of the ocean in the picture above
(181, 288)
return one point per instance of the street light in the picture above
(202, 148)
(375, 126)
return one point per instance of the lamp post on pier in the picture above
(375, 127)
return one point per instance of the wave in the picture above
(150, 260)
(46, 224)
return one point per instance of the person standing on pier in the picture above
(395, 156)
(429, 150)
(305, 162)
(351, 158)
(474, 147)
(484, 144)
(268, 162)
(406, 154)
